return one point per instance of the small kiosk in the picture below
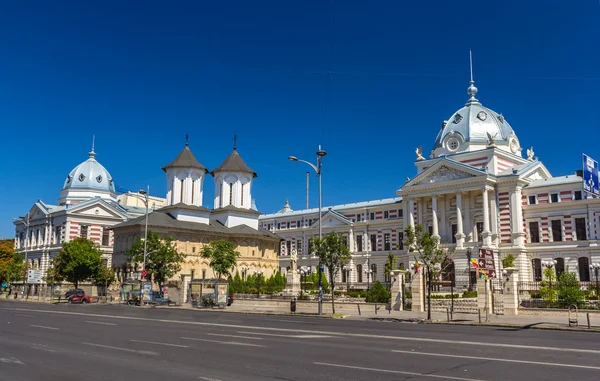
(208, 293)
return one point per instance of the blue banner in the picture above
(590, 175)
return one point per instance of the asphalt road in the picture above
(41, 342)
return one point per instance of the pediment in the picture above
(443, 173)
(332, 219)
(97, 209)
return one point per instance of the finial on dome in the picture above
(235, 138)
(186, 139)
(92, 154)
(472, 90)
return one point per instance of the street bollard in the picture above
(588, 320)
(479, 313)
(448, 314)
(293, 305)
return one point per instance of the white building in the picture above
(87, 208)
(475, 190)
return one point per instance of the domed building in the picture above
(88, 207)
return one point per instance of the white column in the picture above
(486, 218)
(351, 241)
(420, 206)
(176, 190)
(460, 237)
(434, 219)
(591, 225)
(518, 237)
(411, 212)
(494, 226)
(443, 222)
(468, 225)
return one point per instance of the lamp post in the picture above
(347, 270)
(303, 273)
(318, 171)
(258, 274)
(368, 272)
(550, 264)
(596, 268)
(146, 195)
(25, 221)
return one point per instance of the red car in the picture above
(79, 297)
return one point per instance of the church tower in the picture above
(185, 178)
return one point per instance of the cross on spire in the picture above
(235, 138)
(93, 141)
(186, 139)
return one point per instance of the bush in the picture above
(378, 294)
(356, 294)
(448, 296)
(508, 261)
(569, 291)
(469, 294)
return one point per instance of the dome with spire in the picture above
(88, 179)
(475, 127)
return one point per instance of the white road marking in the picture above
(208, 378)
(122, 349)
(290, 321)
(223, 342)
(288, 336)
(396, 372)
(157, 343)
(23, 315)
(11, 360)
(42, 347)
(43, 326)
(99, 322)
(312, 332)
(235, 336)
(500, 360)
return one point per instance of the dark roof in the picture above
(181, 205)
(236, 209)
(234, 163)
(185, 159)
(162, 219)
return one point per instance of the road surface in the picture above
(40, 342)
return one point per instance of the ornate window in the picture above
(230, 193)
(81, 177)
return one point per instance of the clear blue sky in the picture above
(142, 74)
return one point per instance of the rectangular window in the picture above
(288, 225)
(359, 243)
(279, 225)
(480, 231)
(386, 214)
(536, 265)
(580, 229)
(299, 246)
(531, 200)
(298, 224)
(344, 279)
(400, 213)
(310, 240)
(358, 216)
(58, 234)
(401, 241)
(578, 195)
(373, 242)
(430, 230)
(534, 232)
(203, 274)
(359, 273)
(386, 242)
(84, 231)
(372, 216)
(105, 237)
(583, 265)
(556, 230)
(454, 232)
(554, 197)
(288, 248)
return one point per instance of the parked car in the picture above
(72, 291)
(79, 297)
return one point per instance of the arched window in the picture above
(230, 193)
(373, 271)
(359, 277)
(583, 265)
(181, 192)
(536, 265)
(560, 266)
(242, 205)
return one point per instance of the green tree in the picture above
(389, 266)
(222, 256)
(569, 290)
(428, 252)
(311, 282)
(378, 294)
(548, 287)
(105, 277)
(12, 265)
(333, 253)
(162, 258)
(79, 260)
(508, 261)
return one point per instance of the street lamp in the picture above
(25, 221)
(258, 274)
(318, 171)
(146, 195)
(550, 264)
(596, 268)
(368, 272)
(304, 270)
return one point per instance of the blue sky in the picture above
(142, 74)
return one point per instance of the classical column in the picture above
(434, 219)
(420, 207)
(443, 221)
(468, 225)
(411, 212)
(517, 217)
(486, 218)
(494, 224)
(351, 241)
(460, 237)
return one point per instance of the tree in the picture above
(105, 277)
(548, 287)
(79, 260)
(12, 265)
(508, 261)
(569, 290)
(427, 250)
(333, 253)
(222, 256)
(378, 294)
(162, 258)
(389, 266)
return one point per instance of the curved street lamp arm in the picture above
(311, 164)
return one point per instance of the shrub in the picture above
(569, 291)
(508, 261)
(355, 294)
(378, 294)
(469, 294)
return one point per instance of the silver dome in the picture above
(90, 175)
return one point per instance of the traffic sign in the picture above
(34, 276)
(487, 263)
(590, 175)
(144, 273)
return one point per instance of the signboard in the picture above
(590, 175)
(34, 276)
(144, 273)
(165, 292)
(147, 292)
(486, 262)
(221, 290)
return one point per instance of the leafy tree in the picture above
(333, 253)
(162, 258)
(79, 260)
(12, 265)
(311, 282)
(389, 265)
(508, 261)
(569, 290)
(222, 256)
(428, 252)
(105, 277)
(378, 294)
(548, 287)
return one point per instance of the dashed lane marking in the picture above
(157, 343)
(234, 336)
(396, 372)
(223, 342)
(122, 349)
(99, 322)
(44, 327)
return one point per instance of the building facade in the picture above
(474, 190)
(191, 225)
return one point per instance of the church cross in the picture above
(235, 138)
